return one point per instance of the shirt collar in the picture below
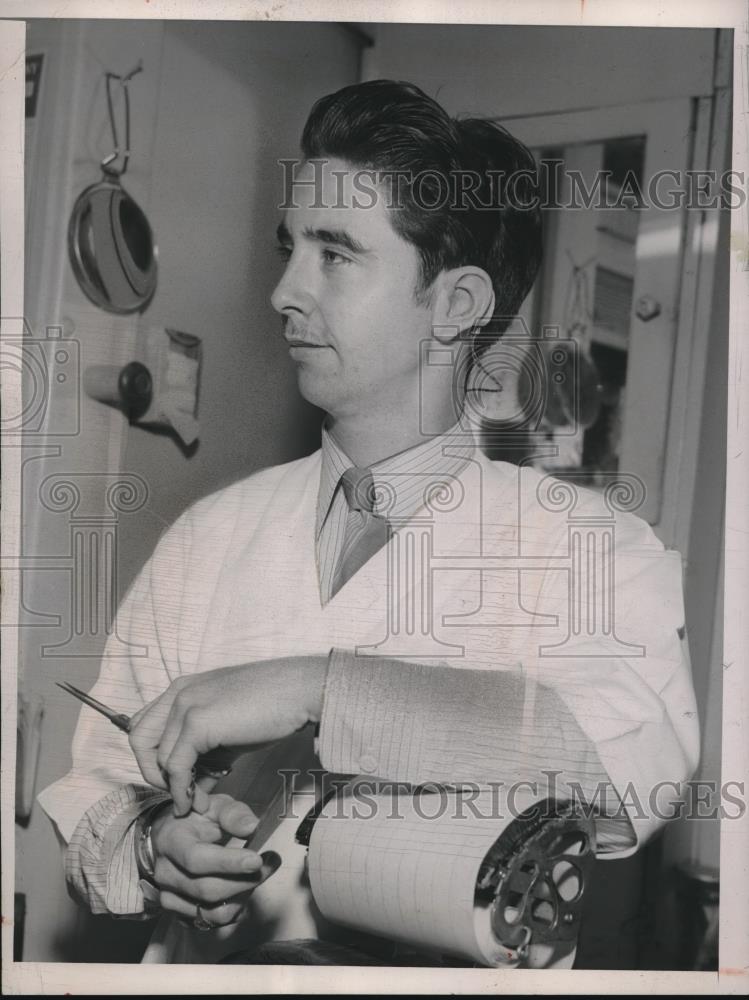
(334, 464)
(445, 455)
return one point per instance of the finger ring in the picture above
(200, 923)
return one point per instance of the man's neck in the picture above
(367, 440)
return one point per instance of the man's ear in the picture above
(464, 301)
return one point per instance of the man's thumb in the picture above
(237, 819)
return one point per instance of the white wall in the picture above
(515, 71)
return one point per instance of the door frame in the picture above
(656, 400)
(679, 521)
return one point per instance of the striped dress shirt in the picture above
(398, 488)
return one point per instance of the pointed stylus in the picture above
(213, 764)
(116, 718)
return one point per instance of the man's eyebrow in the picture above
(338, 237)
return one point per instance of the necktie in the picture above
(365, 531)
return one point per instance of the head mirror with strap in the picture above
(110, 241)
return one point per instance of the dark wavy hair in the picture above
(393, 127)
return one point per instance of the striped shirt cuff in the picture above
(100, 862)
(372, 717)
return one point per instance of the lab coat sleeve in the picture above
(612, 730)
(633, 698)
(95, 805)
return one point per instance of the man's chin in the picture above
(321, 392)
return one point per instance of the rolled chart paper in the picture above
(406, 867)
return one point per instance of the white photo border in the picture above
(732, 977)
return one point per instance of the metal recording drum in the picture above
(537, 874)
(493, 879)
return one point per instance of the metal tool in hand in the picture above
(214, 764)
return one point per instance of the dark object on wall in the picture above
(130, 389)
(110, 242)
(136, 389)
(112, 249)
(28, 744)
(160, 395)
(33, 82)
(19, 924)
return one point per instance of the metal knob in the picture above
(647, 308)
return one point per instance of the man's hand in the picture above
(233, 707)
(193, 867)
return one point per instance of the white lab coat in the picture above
(235, 580)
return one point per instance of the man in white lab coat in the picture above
(265, 620)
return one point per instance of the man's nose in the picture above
(292, 294)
